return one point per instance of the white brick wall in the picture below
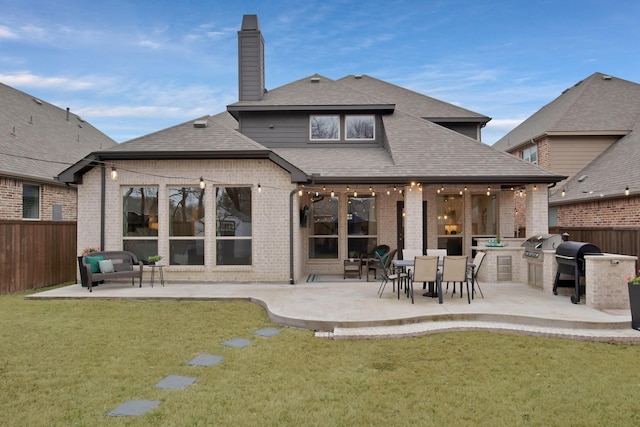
(606, 284)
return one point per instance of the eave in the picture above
(235, 110)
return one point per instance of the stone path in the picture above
(177, 382)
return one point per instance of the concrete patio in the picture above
(351, 309)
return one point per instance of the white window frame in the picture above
(353, 116)
(312, 116)
(527, 152)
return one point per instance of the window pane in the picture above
(186, 252)
(140, 212)
(233, 252)
(325, 127)
(143, 249)
(483, 215)
(362, 245)
(233, 211)
(450, 215)
(361, 216)
(186, 211)
(323, 248)
(324, 216)
(360, 127)
(30, 201)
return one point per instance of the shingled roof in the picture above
(39, 140)
(598, 105)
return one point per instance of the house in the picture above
(290, 181)
(590, 134)
(40, 140)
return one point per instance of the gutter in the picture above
(103, 186)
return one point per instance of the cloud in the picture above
(26, 79)
(7, 33)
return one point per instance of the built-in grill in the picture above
(534, 245)
(571, 262)
(533, 253)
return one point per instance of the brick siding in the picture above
(11, 196)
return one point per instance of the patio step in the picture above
(620, 336)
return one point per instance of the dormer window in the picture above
(325, 127)
(360, 127)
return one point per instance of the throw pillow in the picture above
(106, 266)
(93, 262)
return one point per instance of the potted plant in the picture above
(154, 259)
(352, 255)
(634, 299)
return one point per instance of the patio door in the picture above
(400, 226)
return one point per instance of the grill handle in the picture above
(565, 257)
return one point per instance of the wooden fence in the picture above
(36, 254)
(614, 240)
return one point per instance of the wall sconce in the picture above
(202, 183)
(114, 172)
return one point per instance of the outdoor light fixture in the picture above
(488, 191)
(333, 194)
(388, 192)
(355, 194)
(259, 188)
(373, 194)
(300, 193)
(535, 187)
(114, 172)
(202, 183)
(626, 191)
(563, 192)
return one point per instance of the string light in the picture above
(488, 191)
(355, 194)
(300, 193)
(333, 194)
(626, 191)
(259, 188)
(114, 172)
(202, 183)
(563, 192)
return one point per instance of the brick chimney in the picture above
(250, 60)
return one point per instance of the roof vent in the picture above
(357, 76)
(315, 79)
(200, 123)
(37, 101)
(606, 77)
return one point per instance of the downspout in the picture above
(103, 186)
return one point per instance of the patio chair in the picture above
(425, 269)
(477, 261)
(371, 260)
(412, 254)
(441, 253)
(387, 273)
(454, 269)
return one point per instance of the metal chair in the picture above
(388, 274)
(454, 269)
(371, 260)
(441, 253)
(477, 261)
(425, 269)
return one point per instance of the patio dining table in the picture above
(406, 264)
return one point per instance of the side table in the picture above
(155, 267)
(352, 268)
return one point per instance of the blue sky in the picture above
(138, 66)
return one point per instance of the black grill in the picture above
(570, 259)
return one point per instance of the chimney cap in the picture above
(250, 23)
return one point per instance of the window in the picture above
(30, 201)
(360, 127)
(325, 127)
(323, 228)
(233, 226)
(530, 154)
(186, 226)
(450, 223)
(140, 221)
(362, 225)
(484, 215)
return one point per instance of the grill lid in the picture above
(576, 250)
(542, 241)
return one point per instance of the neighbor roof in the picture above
(39, 140)
(599, 105)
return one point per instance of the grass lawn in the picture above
(68, 363)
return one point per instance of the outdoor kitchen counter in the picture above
(489, 270)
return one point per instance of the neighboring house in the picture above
(38, 141)
(288, 182)
(589, 134)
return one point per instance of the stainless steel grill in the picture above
(533, 253)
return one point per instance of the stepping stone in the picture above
(174, 382)
(237, 342)
(206, 360)
(267, 332)
(133, 407)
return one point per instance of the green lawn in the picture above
(67, 363)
